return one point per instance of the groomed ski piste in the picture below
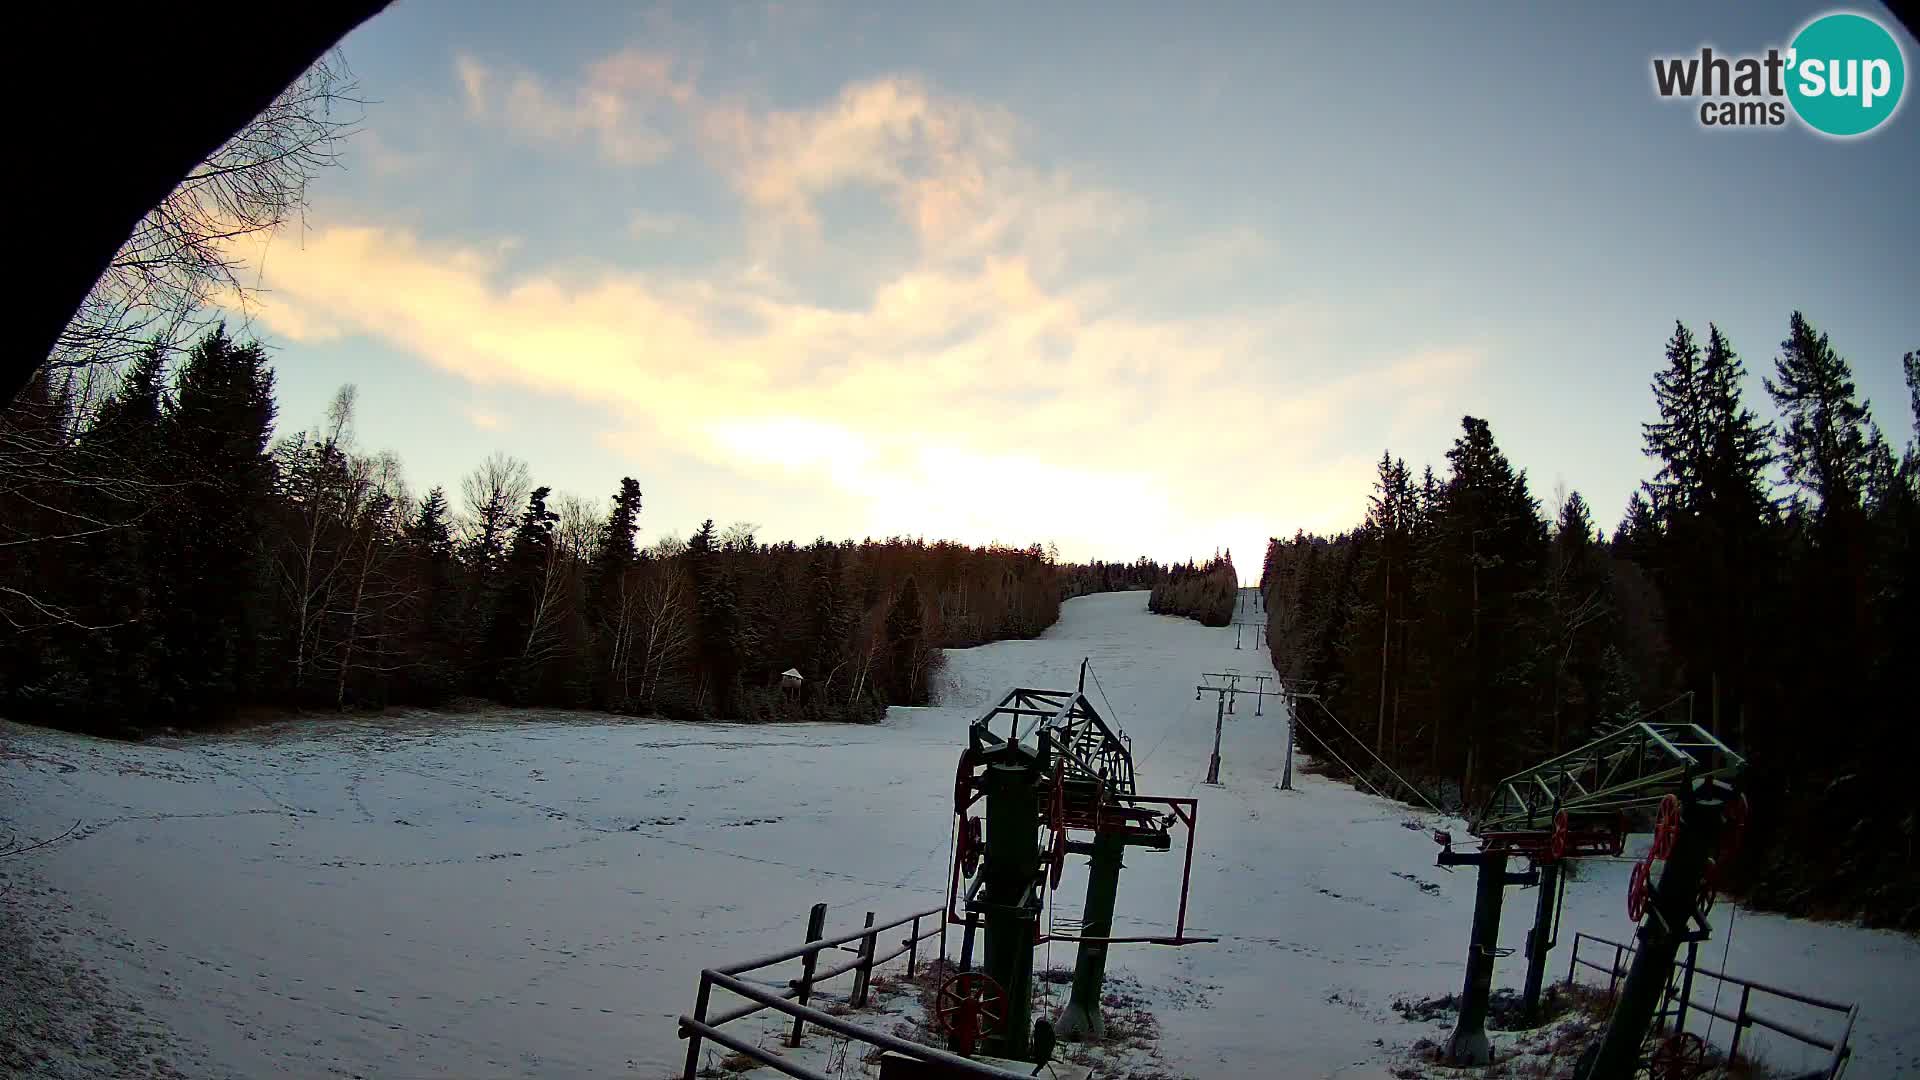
(533, 894)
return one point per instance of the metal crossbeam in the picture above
(1637, 765)
(1087, 746)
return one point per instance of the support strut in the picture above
(1081, 1018)
(1540, 940)
(1012, 906)
(1468, 1045)
(1662, 931)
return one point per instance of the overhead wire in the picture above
(1357, 774)
(1363, 746)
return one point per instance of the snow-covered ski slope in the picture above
(529, 894)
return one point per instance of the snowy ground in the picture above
(528, 894)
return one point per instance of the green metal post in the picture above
(1213, 764)
(1012, 907)
(1286, 773)
(1469, 1045)
(1540, 940)
(1081, 1018)
(1661, 933)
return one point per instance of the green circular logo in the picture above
(1845, 74)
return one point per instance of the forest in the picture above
(166, 562)
(1206, 593)
(1761, 583)
(1100, 577)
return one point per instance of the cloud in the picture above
(484, 420)
(601, 111)
(998, 383)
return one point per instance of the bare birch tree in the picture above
(183, 255)
(494, 493)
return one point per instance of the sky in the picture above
(1135, 279)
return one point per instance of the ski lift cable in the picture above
(1156, 746)
(1111, 711)
(1416, 791)
(1357, 774)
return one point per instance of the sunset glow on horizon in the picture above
(1134, 289)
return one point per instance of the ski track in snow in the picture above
(533, 893)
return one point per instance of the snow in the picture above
(531, 893)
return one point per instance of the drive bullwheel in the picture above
(1666, 827)
(1638, 886)
(963, 783)
(1680, 1056)
(970, 1006)
(970, 846)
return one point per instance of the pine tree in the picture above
(905, 646)
(1825, 445)
(210, 585)
(1638, 535)
(1678, 437)
(126, 441)
(1736, 447)
(524, 637)
(1576, 592)
(609, 596)
(439, 610)
(1490, 542)
(717, 632)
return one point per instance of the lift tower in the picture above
(1054, 769)
(1578, 804)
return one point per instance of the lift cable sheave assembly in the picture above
(1582, 804)
(1055, 779)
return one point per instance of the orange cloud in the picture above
(623, 133)
(981, 391)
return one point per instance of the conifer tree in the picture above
(210, 585)
(1825, 446)
(1677, 438)
(905, 645)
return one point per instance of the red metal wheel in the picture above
(963, 783)
(1056, 858)
(1558, 845)
(1680, 1056)
(1638, 885)
(1666, 827)
(1733, 826)
(972, 846)
(970, 1005)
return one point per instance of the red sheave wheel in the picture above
(963, 783)
(970, 1005)
(1638, 886)
(1558, 845)
(972, 846)
(1681, 1056)
(1666, 827)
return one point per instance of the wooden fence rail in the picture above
(792, 1000)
